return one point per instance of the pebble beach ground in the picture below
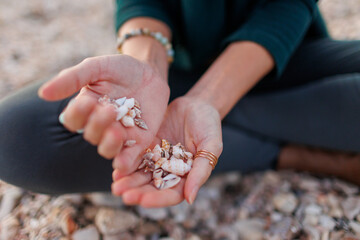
(38, 38)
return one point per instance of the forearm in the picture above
(145, 48)
(232, 75)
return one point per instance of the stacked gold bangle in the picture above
(209, 156)
(146, 32)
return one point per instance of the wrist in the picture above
(149, 51)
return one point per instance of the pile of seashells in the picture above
(128, 111)
(167, 163)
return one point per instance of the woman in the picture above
(266, 69)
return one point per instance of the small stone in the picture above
(250, 228)
(9, 201)
(88, 233)
(285, 202)
(327, 222)
(351, 207)
(148, 228)
(114, 221)
(9, 226)
(155, 214)
(313, 209)
(355, 226)
(90, 212)
(105, 200)
(311, 220)
(119, 236)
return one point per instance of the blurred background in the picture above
(40, 37)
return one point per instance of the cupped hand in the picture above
(116, 76)
(193, 123)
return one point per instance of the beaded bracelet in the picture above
(146, 32)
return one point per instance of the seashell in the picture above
(355, 226)
(137, 112)
(130, 102)
(121, 112)
(120, 101)
(160, 162)
(148, 165)
(188, 155)
(170, 181)
(156, 157)
(176, 166)
(66, 221)
(141, 123)
(129, 143)
(10, 226)
(88, 233)
(178, 152)
(157, 149)
(157, 174)
(159, 183)
(127, 121)
(165, 145)
(104, 99)
(148, 156)
(137, 104)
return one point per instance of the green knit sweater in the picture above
(202, 28)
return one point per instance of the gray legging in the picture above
(315, 102)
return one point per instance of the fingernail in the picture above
(80, 131)
(61, 118)
(192, 196)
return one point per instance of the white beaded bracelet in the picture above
(146, 32)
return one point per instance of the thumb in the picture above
(71, 80)
(201, 169)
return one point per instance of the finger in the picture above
(201, 169)
(77, 112)
(133, 196)
(100, 119)
(72, 79)
(132, 181)
(112, 141)
(128, 160)
(163, 198)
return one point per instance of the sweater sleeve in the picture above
(279, 26)
(126, 9)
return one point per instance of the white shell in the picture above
(157, 149)
(160, 162)
(176, 166)
(120, 101)
(121, 112)
(130, 143)
(158, 173)
(177, 152)
(127, 121)
(170, 181)
(130, 102)
(159, 183)
(188, 155)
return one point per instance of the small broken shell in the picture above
(129, 103)
(177, 151)
(120, 101)
(141, 123)
(165, 145)
(137, 112)
(129, 143)
(121, 112)
(127, 121)
(158, 173)
(160, 162)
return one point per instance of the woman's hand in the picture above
(196, 125)
(116, 76)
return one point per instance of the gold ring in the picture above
(213, 160)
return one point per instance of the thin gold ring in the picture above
(213, 159)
